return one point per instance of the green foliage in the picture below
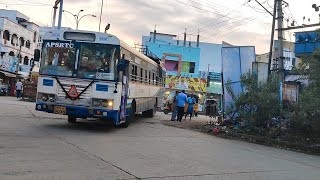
(308, 109)
(260, 101)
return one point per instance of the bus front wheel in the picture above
(72, 119)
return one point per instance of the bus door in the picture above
(123, 75)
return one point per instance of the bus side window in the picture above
(153, 82)
(132, 72)
(146, 75)
(141, 75)
(135, 73)
(157, 80)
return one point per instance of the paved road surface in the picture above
(35, 145)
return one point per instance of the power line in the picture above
(210, 12)
(33, 2)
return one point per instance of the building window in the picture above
(40, 39)
(6, 36)
(11, 53)
(34, 36)
(28, 44)
(171, 65)
(14, 40)
(21, 40)
(192, 67)
(293, 62)
(188, 67)
(26, 60)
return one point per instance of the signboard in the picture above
(186, 83)
(8, 63)
(214, 76)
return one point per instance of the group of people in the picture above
(183, 105)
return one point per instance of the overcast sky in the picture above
(238, 22)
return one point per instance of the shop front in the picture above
(192, 86)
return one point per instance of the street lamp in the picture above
(77, 16)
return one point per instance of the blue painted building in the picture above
(179, 60)
(210, 53)
(306, 42)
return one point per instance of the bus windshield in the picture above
(97, 61)
(82, 60)
(58, 59)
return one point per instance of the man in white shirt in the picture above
(19, 86)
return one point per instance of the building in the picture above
(290, 60)
(187, 63)
(17, 46)
(17, 31)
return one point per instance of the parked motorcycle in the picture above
(3, 91)
(168, 108)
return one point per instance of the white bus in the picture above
(95, 75)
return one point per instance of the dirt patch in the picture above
(297, 144)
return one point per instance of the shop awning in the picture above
(8, 74)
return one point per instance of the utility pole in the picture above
(100, 15)
(185, 37)
(272, 36)
(198, 38)
(280, 39)
(60, 14)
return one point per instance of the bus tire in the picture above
(130, 116)
(72, 119)
(150, 113)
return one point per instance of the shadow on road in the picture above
(91, 125)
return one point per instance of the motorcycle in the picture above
(3, 91)
(168, 108)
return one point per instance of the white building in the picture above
(290, 60)
(17, 31)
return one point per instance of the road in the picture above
(36, 145)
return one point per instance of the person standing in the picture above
(174, 107)
(181, 102)
(190, 109)
(19, 86)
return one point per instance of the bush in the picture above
(308, 109)
(259, 103)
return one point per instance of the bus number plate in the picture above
(60, 110)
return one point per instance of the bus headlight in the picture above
(52, 98)
(105, 103)
(110, 103)
(44, 97)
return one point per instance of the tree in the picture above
(308, 109)
(259, 103)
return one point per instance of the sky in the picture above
(238, 22)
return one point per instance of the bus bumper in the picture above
(78, 111)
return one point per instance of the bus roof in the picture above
(99, 37)
(81, 36)
(137, 53)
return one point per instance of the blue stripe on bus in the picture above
(102, 87)
(47, 82)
